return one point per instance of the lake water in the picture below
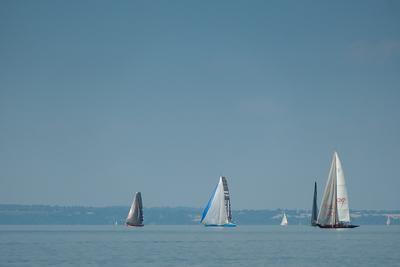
(198, 246)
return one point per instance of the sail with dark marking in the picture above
(314, 211)
(218, 210)
(135, 215)
(227, 199)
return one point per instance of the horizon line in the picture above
(187, 207)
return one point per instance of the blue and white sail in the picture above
(218, 209)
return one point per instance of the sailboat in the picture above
(135, 215)
(284, 221)
(218, 210)
(334, 212)
(314, 211)
(388, 220)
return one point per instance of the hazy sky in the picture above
(99, 99)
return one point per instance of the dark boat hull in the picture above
(135, 225)
(337, 226)
(221, 225)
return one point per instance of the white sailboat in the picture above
(284, 221)
(135, 215)
(218, 209)
(388, 222)
(334, 212)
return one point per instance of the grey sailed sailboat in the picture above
(135, 215)
(334, 212)
(314, 211)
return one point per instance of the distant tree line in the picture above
(79, 215)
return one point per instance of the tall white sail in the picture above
(342, 198)
(328, 212)
(218, 209)
(334, 211)
(135, 215)
(284, 221)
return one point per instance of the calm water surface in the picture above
(198, 246)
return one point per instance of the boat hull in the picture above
(337, 226)
(221, 225)
(134, 225)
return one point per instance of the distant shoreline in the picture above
(14, 214)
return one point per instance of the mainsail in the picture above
(314, 212)
(218, 210)
(284, 221)
(135, 215)
(334, 212)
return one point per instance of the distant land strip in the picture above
(11, 214)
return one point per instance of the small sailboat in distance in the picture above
(218, 210)
(334, 212)
(314, 211)
(135, 215)
(388, 222)
(284, 221)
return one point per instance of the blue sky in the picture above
(100, 99)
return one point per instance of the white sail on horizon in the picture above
(342, 197)
(284, 221)
(218, 209)
(335, 205)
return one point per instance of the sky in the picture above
(99, 99)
